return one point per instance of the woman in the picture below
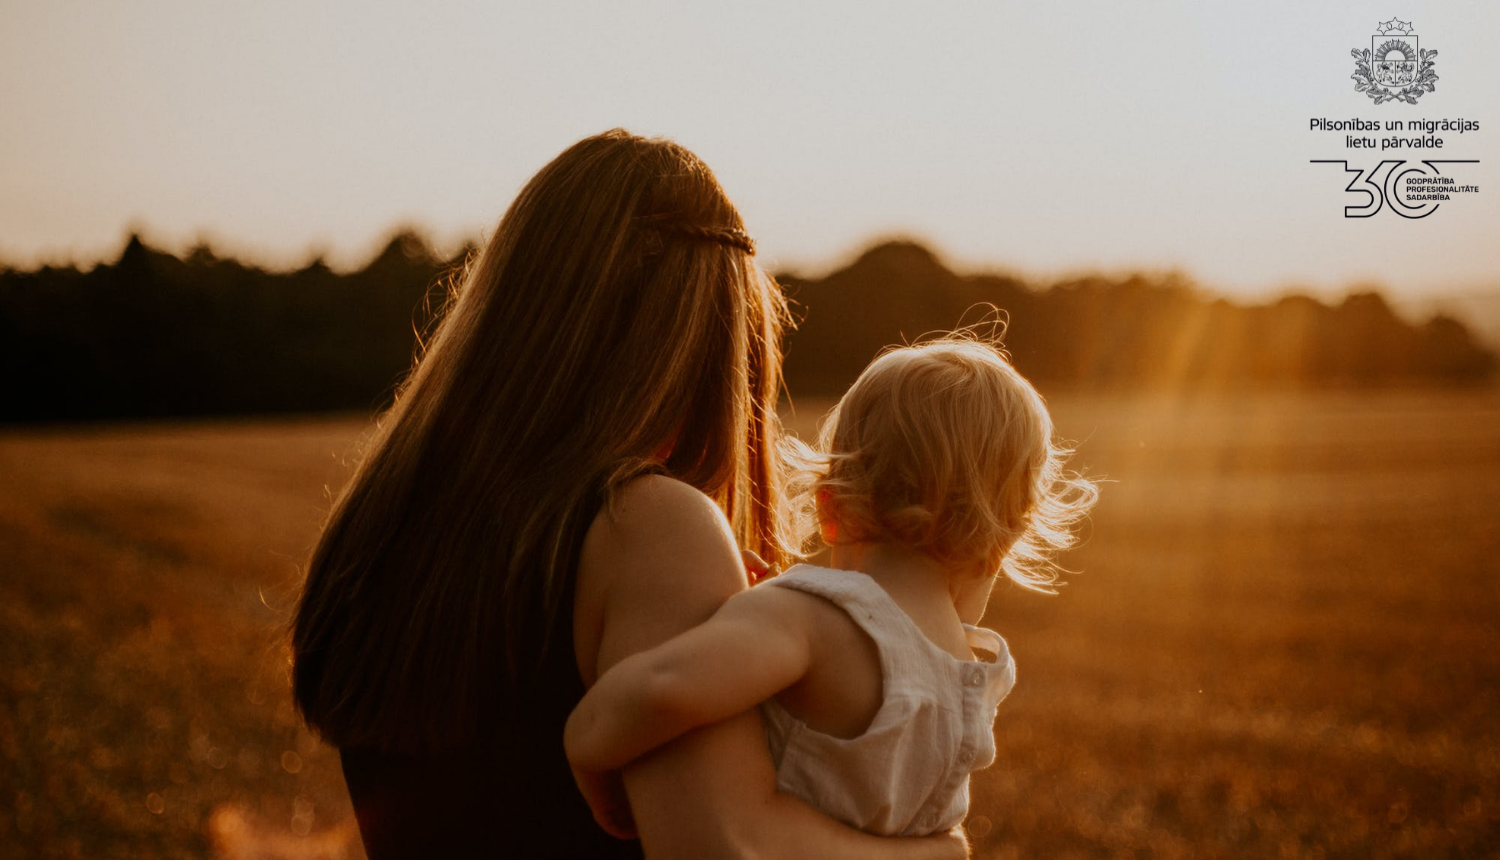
(561, 483)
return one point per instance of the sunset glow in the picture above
(1025, 138)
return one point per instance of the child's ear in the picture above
(828, 526)
(829, 531)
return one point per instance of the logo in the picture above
(1394, 69)
(1407, 188)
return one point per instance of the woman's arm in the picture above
(665, 563)
(700, 677)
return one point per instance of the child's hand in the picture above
(605, 794)
(756, 568)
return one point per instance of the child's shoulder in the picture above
(775, 595)
(772, 605)
(824, 584)
(808, 594)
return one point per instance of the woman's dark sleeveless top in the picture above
(514, 797)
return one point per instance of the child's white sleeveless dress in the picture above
(908, 774)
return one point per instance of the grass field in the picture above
(1285, 641)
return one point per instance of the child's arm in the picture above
(754, 647)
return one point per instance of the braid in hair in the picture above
(723, 235)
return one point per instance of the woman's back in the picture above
(512, 796)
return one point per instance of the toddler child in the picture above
(936, 473)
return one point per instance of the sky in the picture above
(1041, 139)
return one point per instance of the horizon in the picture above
(283, 134)
(1414, 307)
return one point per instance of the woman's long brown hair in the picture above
(615, 314)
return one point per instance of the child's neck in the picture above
(892, 565)
(920, 584)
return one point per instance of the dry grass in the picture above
(148, 574)
(1284, 644)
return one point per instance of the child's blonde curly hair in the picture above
(942, 447)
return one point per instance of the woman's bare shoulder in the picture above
(655, 517)
(650, 504)
(662, 547)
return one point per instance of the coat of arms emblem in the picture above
(1394, 69)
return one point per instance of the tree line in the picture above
(155, 335)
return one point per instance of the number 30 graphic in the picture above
(1383, 185)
